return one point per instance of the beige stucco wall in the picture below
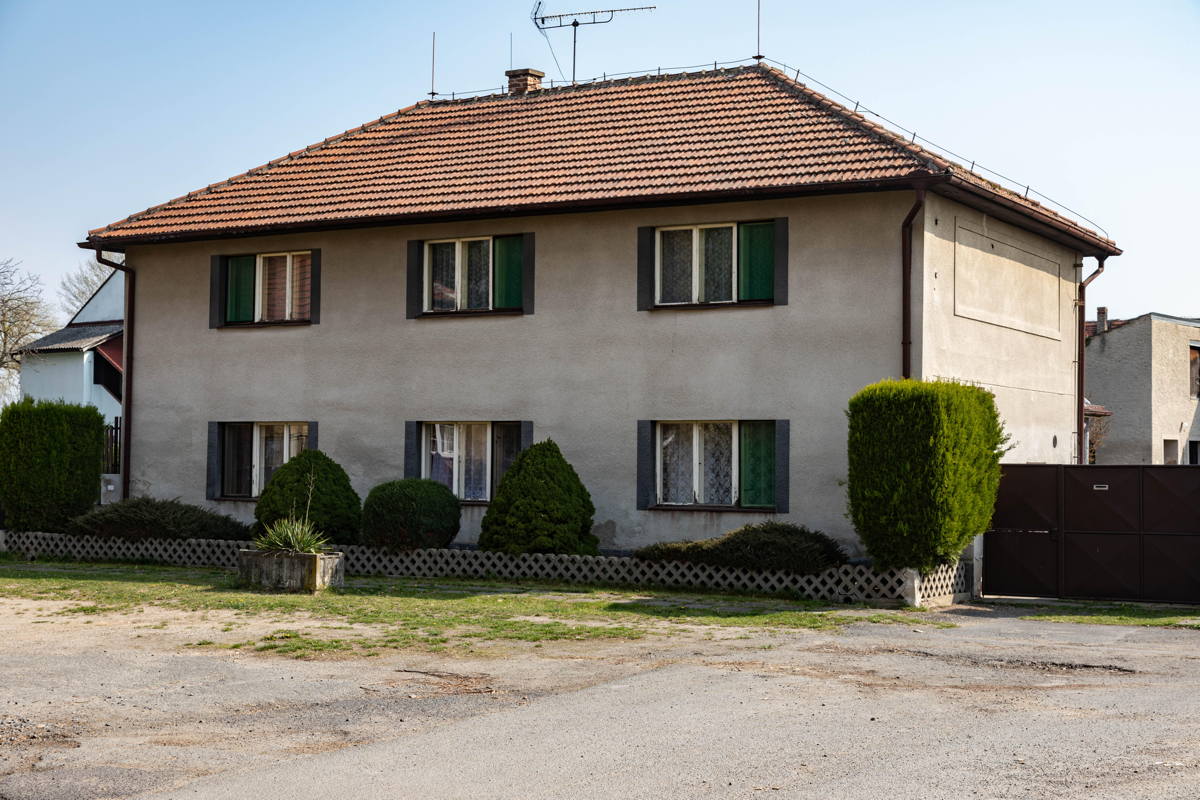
(1119, 370)
(1176, 412)
(584, 368)
(999, 311)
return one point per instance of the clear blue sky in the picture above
(110, 107)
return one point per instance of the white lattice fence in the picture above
(948, 583)
(849, 582)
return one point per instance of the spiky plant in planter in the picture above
(292, 555)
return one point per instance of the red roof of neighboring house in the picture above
(1096, 410)
(728, 133)
(1089, 327)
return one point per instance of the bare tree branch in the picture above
(24, 317)
(78, 287)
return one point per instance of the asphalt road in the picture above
(997, 708)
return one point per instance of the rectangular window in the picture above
(480, 274)
(719, 263)
(469, 458)
(716, 463)
(1194, 370)
(252, 451)
(270, 287)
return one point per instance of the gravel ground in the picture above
(116, 705)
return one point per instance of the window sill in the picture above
(287, 323)
(699, 306)
(474, 502)
(481, 312)
(234, 499)
(710, 509)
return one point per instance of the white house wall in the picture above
(107, 304)
(584, 368)
(68, 377)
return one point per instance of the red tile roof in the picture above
(721, 133)
(1090, 326)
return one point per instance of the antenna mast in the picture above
(433, 67)
(573, 20)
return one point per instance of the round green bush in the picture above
(335, 509)
(767, 545)
(50, 459)
(541, 506)
(147, 518)
(410, 514)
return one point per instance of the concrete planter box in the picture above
(291, 572)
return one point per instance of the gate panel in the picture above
(1171, 499)
(1020, 563)
(1102, 565)
(1102, 499)
(1027, 499)
(1172, 567)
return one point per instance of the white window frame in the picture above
(260, 285)
(697, 461)
(460, 274)
(256, 463)
(456, 465)
(696, 252)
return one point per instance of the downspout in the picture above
(906, 283)
(127, 377)
(1080, 370)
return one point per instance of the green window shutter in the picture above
(508, 261)
(756, 261)
(239, 299)
(756, 464)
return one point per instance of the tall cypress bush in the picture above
(51, 454)
(924, 461)
(541, 506)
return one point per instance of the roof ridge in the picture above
(273, 162)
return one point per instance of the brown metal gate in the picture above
(1119, 532)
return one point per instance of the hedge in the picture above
(924, 467)
(769, 545)
(335, 509)
(147, 518)
(541, 506)
(51, 455)
(410, 514)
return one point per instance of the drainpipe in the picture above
(906, 283)
(127, 378)
(1081, 303)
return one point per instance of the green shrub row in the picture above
(769, 545)
(147, 518)
(50, 460)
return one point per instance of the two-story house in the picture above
(681, 279)
(1147, 372)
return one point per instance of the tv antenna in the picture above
(573, 20)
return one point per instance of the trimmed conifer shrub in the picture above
(541, 506)
(410, 514)
(769, 545)
(924, 461)
(334, 508)
(147, 518)
(51, 455)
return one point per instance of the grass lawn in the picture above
(431, 614)
(1120, 614)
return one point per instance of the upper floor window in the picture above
(713, 264)
(469, 458)
(713, 463)
(244, 455)
(265, 288)
(475, 274)
(1194, 370)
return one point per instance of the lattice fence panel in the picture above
(845, 583)
(947, 583)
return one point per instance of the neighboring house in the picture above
(1147, 372)
(82, 363)
(717, 262)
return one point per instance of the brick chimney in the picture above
(524, 81)
(1101, 319)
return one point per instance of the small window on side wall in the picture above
(713, 264)
(265, 288)
(471, 275)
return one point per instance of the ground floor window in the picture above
(252, 451)
(469, 458)
(716, 463)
